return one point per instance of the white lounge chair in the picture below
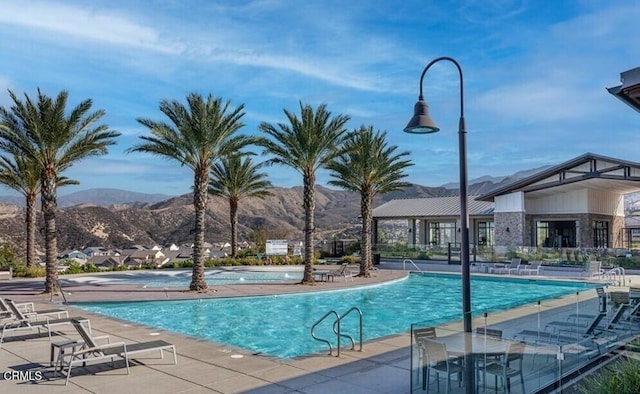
(28, 310)
(505, 269)
(23, 322)
(535, 267)
(90, 350)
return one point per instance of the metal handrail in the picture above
(616, 274)
(337, 322)
(313, 334)
(404, 268)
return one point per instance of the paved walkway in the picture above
(203, 366)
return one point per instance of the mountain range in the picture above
(115, 218)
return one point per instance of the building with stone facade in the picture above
(576, 204)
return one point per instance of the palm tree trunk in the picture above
(308, 204)
(49, 206)
(200, 185)
(366, 211)
(233, 212)
(31, 224)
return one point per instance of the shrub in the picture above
(620, 377)
(34, 272)
(74, 268)
(351, 259)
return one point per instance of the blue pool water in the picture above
(279, 325)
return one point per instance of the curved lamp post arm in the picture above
(452, 60)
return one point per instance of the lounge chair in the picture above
(578, 328)
(518, 266)
(535, 267)
(634, 294)
(593, 268)
(22, 322)
(342, 271)
(502, 269)
(634, 313)
(28, 310)
(90, 350)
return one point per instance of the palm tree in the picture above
(23, 176)
(369, 166)
(306, 144)
(233, 179)
(42, 133)
(201, 133)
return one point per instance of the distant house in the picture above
(173, 247)
(218, 254)
(105, 262)
(74, 255)
(96, 251)
(141, 258)
(177, 255)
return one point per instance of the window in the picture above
(542, 234)
(556, 233)
(600, 234)
(440, 234)
(485, 234)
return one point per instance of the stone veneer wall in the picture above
(515, 222)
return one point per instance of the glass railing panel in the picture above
(551, 340)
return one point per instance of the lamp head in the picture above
(421, 122)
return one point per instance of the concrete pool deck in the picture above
(204, 366)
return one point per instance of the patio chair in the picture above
(441, 361)
(634, 295)
(487, 359)
(634, 313)
(593, 268)
(28, 310)
(510, 366)
(615, 322)
(418, 335)
(90, 350)
(535, 267)
(501, 269)
(518, 266)
(22, 322)
(586, 330)
(343, 271)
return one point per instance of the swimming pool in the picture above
(279, 325)
(182, 278)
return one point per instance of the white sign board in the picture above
(276, 247)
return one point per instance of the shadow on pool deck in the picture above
(203, 366)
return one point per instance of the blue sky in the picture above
(535, 74)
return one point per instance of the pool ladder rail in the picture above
(404, 265)
(337, 329)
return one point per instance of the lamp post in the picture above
(421, 123)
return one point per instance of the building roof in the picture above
(431, 207)
(590, 170)
(629, 91)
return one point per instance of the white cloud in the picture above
(84, 23)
